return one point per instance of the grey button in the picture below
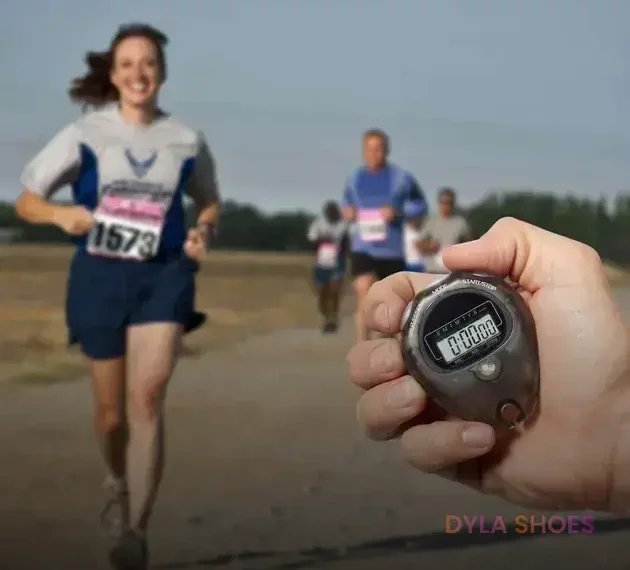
(510, 413)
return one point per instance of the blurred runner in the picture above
(378, 198)
(131, 287)
(329, 235)
(442, 230)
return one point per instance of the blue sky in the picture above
(479, 94)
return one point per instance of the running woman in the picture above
(378, 198)
(131, 285)
(329, 236)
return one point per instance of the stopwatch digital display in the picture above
(463, 328)
(470, 341)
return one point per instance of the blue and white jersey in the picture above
(133, 177)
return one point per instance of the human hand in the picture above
(434, 246)
(195, 245)
(349, 214)
(73, 220)
(429, 246)
(388, 213)
(575, 451)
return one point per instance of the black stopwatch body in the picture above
(470, 341)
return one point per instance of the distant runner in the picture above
(442, 230)
(378, 198)
(329, 236)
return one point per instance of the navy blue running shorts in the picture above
(105, 296)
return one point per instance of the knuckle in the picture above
(371, 421)
(379, 361)
(507, 224)
(588, 255)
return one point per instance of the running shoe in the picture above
(130, 552)
(112, 514)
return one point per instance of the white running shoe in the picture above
(112, 514)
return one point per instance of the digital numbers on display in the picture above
(467, 338)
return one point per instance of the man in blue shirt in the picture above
(378, 198)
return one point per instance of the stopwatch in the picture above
(470, 341)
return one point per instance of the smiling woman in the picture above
(111, 75)
(131, 289)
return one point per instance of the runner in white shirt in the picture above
(442, 230)
(131, 286)
(329, 236)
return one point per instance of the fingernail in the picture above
(479, 437)
(381, 316)
(403, 393)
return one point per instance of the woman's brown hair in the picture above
(95, 87)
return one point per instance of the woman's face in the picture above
(136, 72)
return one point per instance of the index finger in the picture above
(386, 301)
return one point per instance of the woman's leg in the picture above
(152, 351)
(108, 386)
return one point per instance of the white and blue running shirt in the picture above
(137, 174)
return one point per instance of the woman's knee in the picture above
(146, 399)
(108, 386)
(110, 418)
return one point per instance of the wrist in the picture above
(55, 214)
(208, 232)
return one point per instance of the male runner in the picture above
(379, 197)
(329, 236)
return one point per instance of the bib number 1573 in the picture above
(115, 239)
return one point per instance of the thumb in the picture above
(527, 254)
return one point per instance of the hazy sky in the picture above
(476, 94)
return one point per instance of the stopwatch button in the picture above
(488, 370)
(510, 413)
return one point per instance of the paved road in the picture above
(266, 470)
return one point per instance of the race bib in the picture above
(327, 255)
(371, 226)
(127, 228)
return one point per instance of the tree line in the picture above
(245, 227)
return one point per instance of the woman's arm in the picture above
(55, 166)
(203, 188)
(35, 209)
